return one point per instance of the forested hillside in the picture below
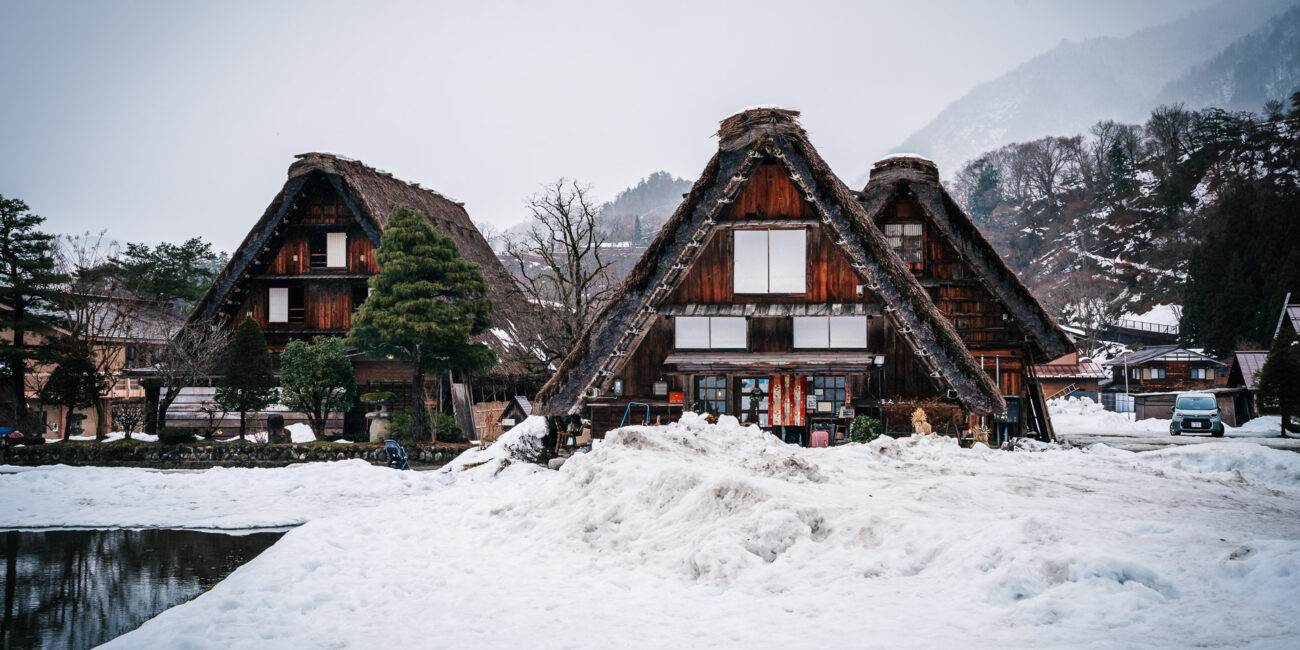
(1220, 56)
(636, 214)
(1192, 207)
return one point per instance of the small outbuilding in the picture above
(517, 410)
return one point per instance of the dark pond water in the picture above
(80, 588)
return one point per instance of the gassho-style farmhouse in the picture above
(774, 293)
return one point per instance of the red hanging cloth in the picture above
(785, 400)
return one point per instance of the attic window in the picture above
(769, 261)
(905, 239)
(286, 305)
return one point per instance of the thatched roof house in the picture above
(766, 174)
(328, 200)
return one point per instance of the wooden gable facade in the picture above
(1001, 323)
(769, 274)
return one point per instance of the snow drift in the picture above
(719, 535)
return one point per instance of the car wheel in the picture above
(1217, 434)
(1173, 432)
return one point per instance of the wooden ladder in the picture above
(1064, 391)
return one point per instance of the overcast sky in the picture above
(165, 120)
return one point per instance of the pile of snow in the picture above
(225, 498)
(1083, 415)
(521, 446)
(720, 535)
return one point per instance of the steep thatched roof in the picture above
(371, 195)
(900, 176)
(746, 139)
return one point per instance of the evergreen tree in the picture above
(29, 284)
(169, 272)
(426, 304)
(247, 383)
(74, 384)
(317, 379)
(1279, 379)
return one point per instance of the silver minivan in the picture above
(1196, 413)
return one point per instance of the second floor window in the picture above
(769, 261)
(905, 239)
(286, 305)
(844, 332)
(704, 333)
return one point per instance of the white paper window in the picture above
(749, 261)
(336, 249)
(769, 261)
(786, 261)
(842, 332)
(811, 332)
(692, 333)
(728, 333)
(700, 333)
(279, 307)
(848, 331)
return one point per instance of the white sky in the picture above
(164, 120)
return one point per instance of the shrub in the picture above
(127, 417)
(864, 429)
(444, 427)
(384, 396)
(402, 427)
(174, 435)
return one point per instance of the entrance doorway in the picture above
(750, 403)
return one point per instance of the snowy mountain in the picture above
(1260, 67)
(1069, 88)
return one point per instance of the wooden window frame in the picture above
(909, 248)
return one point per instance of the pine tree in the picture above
(427, 302)
(247, 383)
(317, 379)
(29, 284)
(1279, 379)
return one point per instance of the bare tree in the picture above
(99, 311)
(558, 260)
(192, 351)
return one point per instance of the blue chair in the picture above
(396, 455)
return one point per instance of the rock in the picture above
(556, 463)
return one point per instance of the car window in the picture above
(1196, 403)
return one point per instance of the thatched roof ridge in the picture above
(371, 194)
(745, 140)
(896, 177)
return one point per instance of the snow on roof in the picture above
(905, 154)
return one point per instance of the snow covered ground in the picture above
(1083, 421)
(218, 498)
(718, 535)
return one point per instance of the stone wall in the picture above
(217, 454)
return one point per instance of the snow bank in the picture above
(1083, 415)
(121, 497)
(693, 534)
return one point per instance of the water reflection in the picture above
(80, 588)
